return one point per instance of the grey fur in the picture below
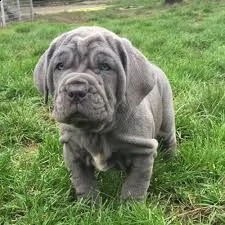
(113, 105)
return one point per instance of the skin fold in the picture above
(113, 107)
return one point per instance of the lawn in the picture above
(187, 41)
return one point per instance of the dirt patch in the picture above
(74, 13)
(78, 7)
(76, 17)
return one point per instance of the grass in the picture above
(187, 41)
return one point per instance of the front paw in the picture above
(92, 197)
(132, 194)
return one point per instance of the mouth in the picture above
(81, 124)
(81, 121)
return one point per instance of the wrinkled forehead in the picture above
(84, 42)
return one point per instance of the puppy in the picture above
(112, 104)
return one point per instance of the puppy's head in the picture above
(91, 73)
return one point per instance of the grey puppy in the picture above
(112, 105)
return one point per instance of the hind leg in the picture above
(168, 144)
(167, 133)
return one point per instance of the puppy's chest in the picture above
(101, 153)
(95, 149)
(115, 161)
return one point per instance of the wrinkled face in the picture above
(86, 73)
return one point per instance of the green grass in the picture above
(187, 41)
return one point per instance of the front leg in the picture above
(82, 174)
(138, 179)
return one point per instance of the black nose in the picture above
(76, 91)
(77, 95)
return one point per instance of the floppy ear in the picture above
(140, 77)
(39, 75)
(41, 72)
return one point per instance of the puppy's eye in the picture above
(104, 66)
(59, 66)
